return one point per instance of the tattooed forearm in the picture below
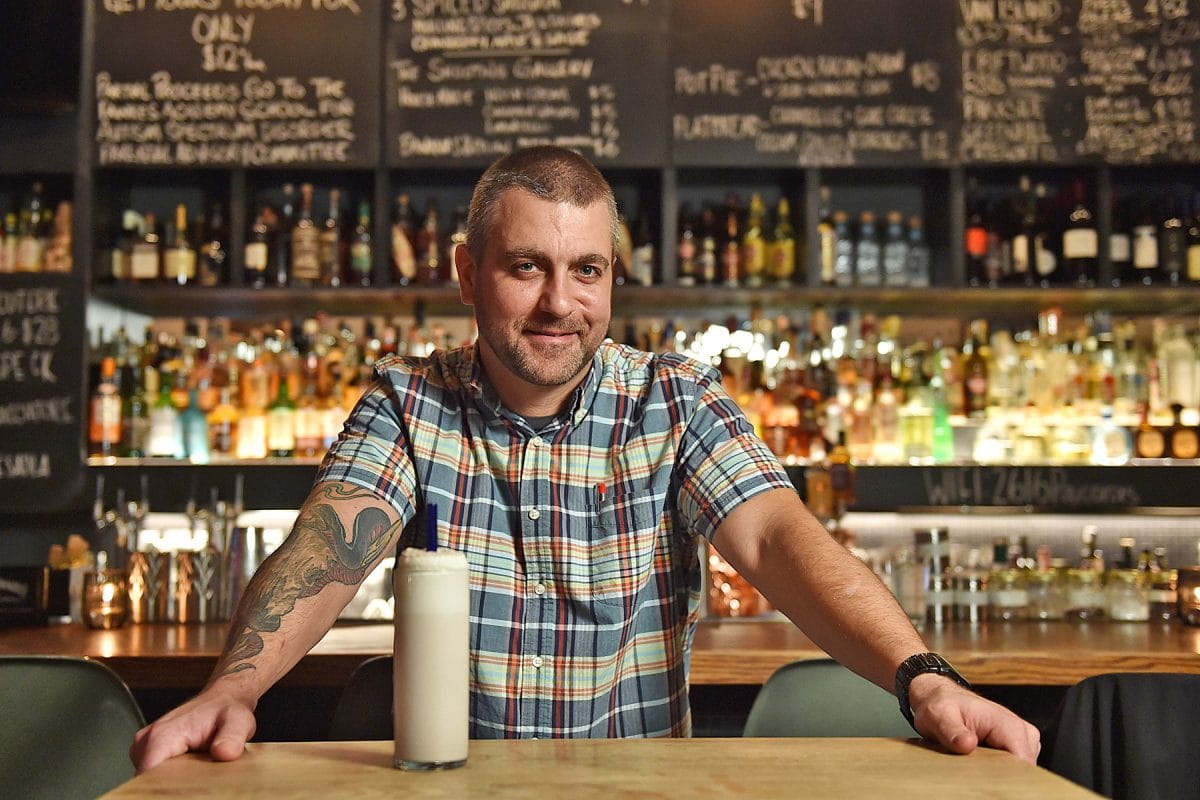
(318, 552)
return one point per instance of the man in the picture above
(577, 477)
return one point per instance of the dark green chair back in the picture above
(66, 725)
(364, 711)
(823, 698)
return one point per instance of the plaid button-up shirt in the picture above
(582, 537)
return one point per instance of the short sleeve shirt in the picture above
(582, 537)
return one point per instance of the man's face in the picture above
(542, 293)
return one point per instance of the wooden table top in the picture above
(726, 652)
(606, 768)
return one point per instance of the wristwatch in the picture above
(919, 664)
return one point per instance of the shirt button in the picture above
(537, 662)
(534, 513)
(539, 589)
(536, 441)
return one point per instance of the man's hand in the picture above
(213, 721)
(961, 720)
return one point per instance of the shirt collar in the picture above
(473, 378)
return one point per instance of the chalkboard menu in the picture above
(814, 83)
(1020, 90)
(237, 82)
(472, 80)
(1138, 76)
(41, 378)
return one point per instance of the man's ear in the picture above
(465, 264)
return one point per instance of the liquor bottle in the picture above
(255, 256)
(843, 250)
(1173, 244)
(1193, 241)
(280, 270)
(30, 253)
(1149, 441)
(211, 267)
(58, 256)
(104, 429)
(942, 439)
(624, 251)
(429, 245)
(329, 242)
(642, 266)
(997, 263)
(976, 239)
(1179, 368)
(1024, 240)
(867, 257)
(975, 371)
(827, 239)
(135, 420)
(1145, 268)
(306, 262)
(8, 249)
(731, 245)
(895, 251)
(165, 439)
(281, 423)
(1111, 443)
(404, 237)
(223, 422)
(307, 417)
(1080, 242)
(194, 423)
(458, 238)
(1182, 442)
(706, 259)
(782, 252)
(361, 251)
(754, 244)
(686, 269)
(919, 263)
(1046, 244)
(179, 260)
(1120, 248)
(841, 477)
(144, 257)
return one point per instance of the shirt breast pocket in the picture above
(623, 544)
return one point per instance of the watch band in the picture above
(920, 664)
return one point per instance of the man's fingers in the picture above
(234, 730)
(151, 749)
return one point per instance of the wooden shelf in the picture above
(243, 303)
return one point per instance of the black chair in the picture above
(1130, 736)
(65, 728)
(364, 711)
(820, 697)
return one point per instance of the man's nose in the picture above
(557, 294)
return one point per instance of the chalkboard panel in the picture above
(469, 81)
(1138, 77)
(237, 82)
(814, 83)
(1021, 101)
(41, 394)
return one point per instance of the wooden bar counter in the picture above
(160, 656)
(606, 768)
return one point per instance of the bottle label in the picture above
(783, 258)
(1184, 443)
(1081, 243)
(106, 419)
(1118, 248)
(1193, 262)
(1145, 248)
(360, 258)
(256, 256)
(402, 254)
(977, 241)
(1150, 444)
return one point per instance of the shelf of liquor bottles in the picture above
(1000, 301)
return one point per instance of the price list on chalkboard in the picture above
(41, 377)
(470, 81)
(1138, 77)
(1020, 93)
(813, 83)
(237, 83)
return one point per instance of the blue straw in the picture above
(431, 521)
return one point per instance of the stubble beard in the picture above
(552, 365)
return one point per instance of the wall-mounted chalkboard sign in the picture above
(470, 81)
(41, 391)
(228, 83)
(814, 83)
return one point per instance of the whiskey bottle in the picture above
(144, 257)
(329, 242)
(1080, 242)
(754, 244)
(255, 256)
(179, 261)
(306, 263)
(361, 250)
(782, 252)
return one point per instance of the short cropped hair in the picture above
(547, 172)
